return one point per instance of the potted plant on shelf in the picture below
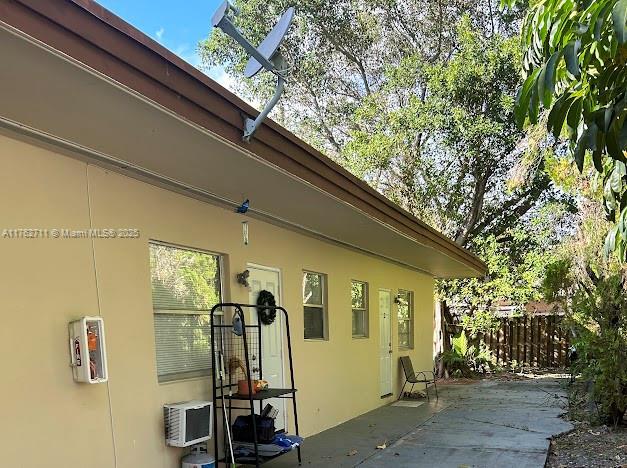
(236, 364)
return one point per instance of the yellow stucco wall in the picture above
(45, 283)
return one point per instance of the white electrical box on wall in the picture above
(88, 350)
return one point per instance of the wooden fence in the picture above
(538, 341)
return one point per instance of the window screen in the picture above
(405, 300)
(185, 285)
(359, 303)
(314, 306)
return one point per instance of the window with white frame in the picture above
(359, 304)
(314, 305)
(185, 286)
(405, 302)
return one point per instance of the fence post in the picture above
(526, 319)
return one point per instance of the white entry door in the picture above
(385, 341)
(262, 278)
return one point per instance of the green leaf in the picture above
(622, 224)
(591, 134)
(547, 79)
(580, 152)
(574, 116)
(571, 58)
(597, 159)
(622, 135)
(612, 145)
(460, 344)
(523, 97)
(558, 114)
(607, 118)
(623, 201)
(609, 197)
(610, 241)
(619, 18)
(616, 179)
(534, 105)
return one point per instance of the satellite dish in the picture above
(266, 56)
(271, 43)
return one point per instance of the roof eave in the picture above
(87, 32)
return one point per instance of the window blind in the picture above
(183, 345)
(185, 285)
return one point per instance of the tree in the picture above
(417, 98)
(440, 139)
(341, 49)
(575, 68)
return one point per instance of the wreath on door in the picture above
(265, 309)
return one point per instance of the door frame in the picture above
(258, 266)
(391, 342)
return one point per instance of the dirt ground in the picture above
(587, 445)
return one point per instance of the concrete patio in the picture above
(484, 424)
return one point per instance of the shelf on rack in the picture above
(264, 394)
(251, 459)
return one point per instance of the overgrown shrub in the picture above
(599, 316)
(482, 321)
(464, 359)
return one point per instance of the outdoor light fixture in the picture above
(242, 278)
(266, 56)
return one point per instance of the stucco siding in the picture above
(46, 283)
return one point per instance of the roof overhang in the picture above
(79, 78)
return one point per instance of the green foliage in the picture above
(417, 98)
(557, 283)
(516, 263)
(594, 296)
(184, 279)
(463, 359)
(575, 67)
(601, 319)
(482, 321)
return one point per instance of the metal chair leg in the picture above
(436, 390)
(400, 395)
(427, 391)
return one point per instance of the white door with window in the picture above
(385, 342)
(269, 279)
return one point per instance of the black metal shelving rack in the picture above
(248, 347)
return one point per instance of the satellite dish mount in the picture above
(265, 57)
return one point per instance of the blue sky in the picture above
(178, 25)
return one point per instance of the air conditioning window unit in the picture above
(188, 422)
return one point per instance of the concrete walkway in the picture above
(487, 424)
